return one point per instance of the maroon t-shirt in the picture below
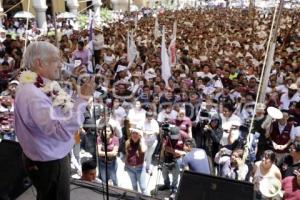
(134, 157)
(183, 124)
(111, 144)
(291, 189)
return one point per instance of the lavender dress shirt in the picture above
(45, 133)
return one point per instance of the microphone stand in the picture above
(105, 150)
(105, 140)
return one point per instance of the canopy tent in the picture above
(24, 14)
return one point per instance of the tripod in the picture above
(160, 166)
(159, 171)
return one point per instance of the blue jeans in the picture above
(137, 176)
(173, 169)
(111, 171)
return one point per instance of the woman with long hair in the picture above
(112, 142)
(135, 149)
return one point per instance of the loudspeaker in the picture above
(196, 186)
(13, 179)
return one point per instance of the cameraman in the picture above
(212, 134)
(172, 150)
(202, 120)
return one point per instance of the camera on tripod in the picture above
(170, 131)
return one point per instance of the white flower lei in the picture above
(52, 89)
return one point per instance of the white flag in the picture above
(90, 31)
(131, 49)
(156, 29)
(90, 67)
(174, 30)
(172, 52)
(172, 46)
(165, 62)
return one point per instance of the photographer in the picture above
(171, 152)
(203, 119)
(212, 133)
(233, 167)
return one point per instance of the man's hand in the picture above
(79, 70)
(170, 150)
(87, 89)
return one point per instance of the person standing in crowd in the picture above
(45, 133)
(112, 142)
(235, 167)
(150, 129)
(292, 161)
(195, 159)
(291, 96)
(183, 122)
(230, 124)
(81, 54)
(137, 114)
(167, 114)
(259, 118)
(135, 149)
(171, 152)
(11, 89)
(212, 136)
(280, 136)
(98, 43)
(291, 186)
(265, 168)
(88, 131)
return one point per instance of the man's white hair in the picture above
(37, 50)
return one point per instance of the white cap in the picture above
(14, 82)
(108, 59)
(293, 86)
(121, 68)
(150, 73)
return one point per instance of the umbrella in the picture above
(66, 15)
(23, 14)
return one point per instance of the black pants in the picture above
(97, 56)
(51, 179)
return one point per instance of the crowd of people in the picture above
(199, 119)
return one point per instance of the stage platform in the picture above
(82, 190)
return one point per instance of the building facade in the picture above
(41, 8)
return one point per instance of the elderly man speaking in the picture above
(46, 118)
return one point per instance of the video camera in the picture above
(170, 131)
(204, 117)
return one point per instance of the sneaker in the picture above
(172, 196)
(163, 187)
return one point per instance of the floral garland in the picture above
(52, 89)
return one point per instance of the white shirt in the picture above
(285, 101)
(119, 115)
(98, 41)
(282, 89)
(151, 127)
(150, 130)
(136, 116)
(162, 116)
(227, 124)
